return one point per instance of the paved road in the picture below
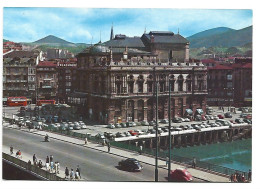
(95, 165)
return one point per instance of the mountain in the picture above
(53, 40)
(221, 37)
(210, 32)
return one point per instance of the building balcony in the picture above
(16, 81)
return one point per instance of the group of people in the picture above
(237, 177)
(52, 166)
(18, 153)
(71, 175)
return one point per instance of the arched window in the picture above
(180, 83)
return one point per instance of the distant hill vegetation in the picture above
(221, 37)
(51, 39)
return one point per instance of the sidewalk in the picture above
(127, 154)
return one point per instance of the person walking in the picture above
(86, 141)
(51, 166)
(77, 175)
(194, 162)
(72, 175)
(78, 170)
(11, 150)
(56, 167)
(67, 173)
(140, 149)
(108, 147)
(40, 164)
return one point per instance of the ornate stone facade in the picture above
(119, 84)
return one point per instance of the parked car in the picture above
(152, 123)
(165, 129)
(247, 121)
(127, 134)
(239, 121)
(130, 124)
(76, 127)
(111, 126)
(213, 125)
(203, 118)
(118, 134)
(100, 136)
(184, 127)
(123, 125)
(178, 129)
(144, 123)
(130, 164)
(81, 123)
(224, 122)
(83, 126)
(186, 119)
(133, 133)
(228, 115)
(211, 117)
(117, 125)
(198, 118)
(207, 117)
(55, 119)
(164, 121)
(180, 175)
(152, 131)
(177, 120)
(215, 117)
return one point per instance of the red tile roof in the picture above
(247, 65)
(47, 64)
(208, 61)
(220, 67)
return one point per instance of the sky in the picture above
(85, 25)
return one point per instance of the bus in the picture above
(42, 102)
(16, 101)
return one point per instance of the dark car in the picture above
(228, 115)
(220, 116)
(177, 120)
(239, 121)
(247, 121)
(130, 164)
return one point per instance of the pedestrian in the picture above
(140, 149)
(58, 167)
(235, 178)
(76, 175)
(34, 158)
(104, 142)
(231, 178)
(72, 175)
(51, 167)
(86, 141)
(223, 109)
(243, 179)
(47, 159)
(67, 172)
(78, 170)
(167, 161)
(108, 147)
(40, 164)
(194, 162)
(249, 175)
(29, 165)
(51, 158)
(19, 154)
(11, 150)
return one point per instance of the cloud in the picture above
(80, 24)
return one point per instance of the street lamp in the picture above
(232, 90)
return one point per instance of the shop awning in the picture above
(199, 111)
(189, 111)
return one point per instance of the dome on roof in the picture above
(99, 48)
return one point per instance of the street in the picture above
(95, 165)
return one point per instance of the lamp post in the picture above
(156, 136)
(170, 141)
(232, 90)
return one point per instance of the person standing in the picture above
(86, 141)
(51, 158)
(78, 170)
(58, 167)
(167, 161)
(72, 175)
(194, 162)
(67, 172)
(249, 175)
(34, 159)
(140, 149)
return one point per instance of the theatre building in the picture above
(116, 79)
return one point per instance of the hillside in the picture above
(208, 33)
(53, 40)
(221, 38)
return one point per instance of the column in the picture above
(145, 110)
(135, 111)
(187, 52)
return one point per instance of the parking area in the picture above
(62, 118)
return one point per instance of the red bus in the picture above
(41, 102)
(16, 101)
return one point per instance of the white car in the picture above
(111, 126)
(186, 120)
(83, 126)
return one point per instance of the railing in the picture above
(34, 169)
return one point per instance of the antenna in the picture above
(178, 31)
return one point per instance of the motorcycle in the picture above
(46, 139)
